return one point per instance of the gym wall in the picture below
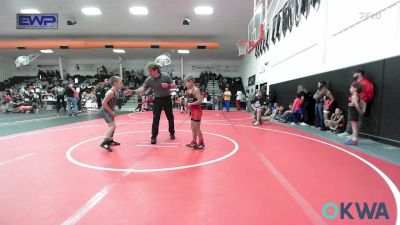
(383, 122)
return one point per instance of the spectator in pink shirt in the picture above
(297, 108)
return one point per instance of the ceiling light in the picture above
(120, 51)
(183, 51)
(91, 11)
(30, 11)
(46, 51)
(139, 10)
(204, 10)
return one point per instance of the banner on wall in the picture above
(252, 81)
(316, 4)
(35, 68)
(47, 66)
(297, 10)
(216, 68)
(305, 7)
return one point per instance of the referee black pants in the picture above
(162, 103)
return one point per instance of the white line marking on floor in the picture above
(389, 182)
(18, 158)
(92, 202)
(72, 160)
(156, 146)
(308, 209)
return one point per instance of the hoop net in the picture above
(243, 46)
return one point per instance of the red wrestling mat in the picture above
(246, 175)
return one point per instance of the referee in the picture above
(160, 84)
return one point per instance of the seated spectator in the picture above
(150, 103)
(259, 105)
(276, 110)
(336, 122)
(287, 115)
(26, 109)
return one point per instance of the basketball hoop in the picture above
(25, 60)
(243, 45)
(163, 60)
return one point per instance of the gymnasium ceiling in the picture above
(164, 22)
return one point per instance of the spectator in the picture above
(139, 106)
(366, 95)
(103, 70)
(59, 92)
(219, 77)
(250, 98)
(319, 103)
(243, 101)
(248, 101)
(328, 101)
(26, 109)
(239, 96)
(259, 105)
(227, 98)
(354, 111)
(308, 105)
(271, 97)
(337, 121)
(287, 115)
(278, 112)
(144, 103)
(71, 100)
(215, 102)
(297, 108)
(150, 103)
(78, 96)
(183, 103)
(99, 95)
(120, 99)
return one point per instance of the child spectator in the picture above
(287, 115)
(328, 101)
(354, 111)
(337, 121)
(297, 108)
